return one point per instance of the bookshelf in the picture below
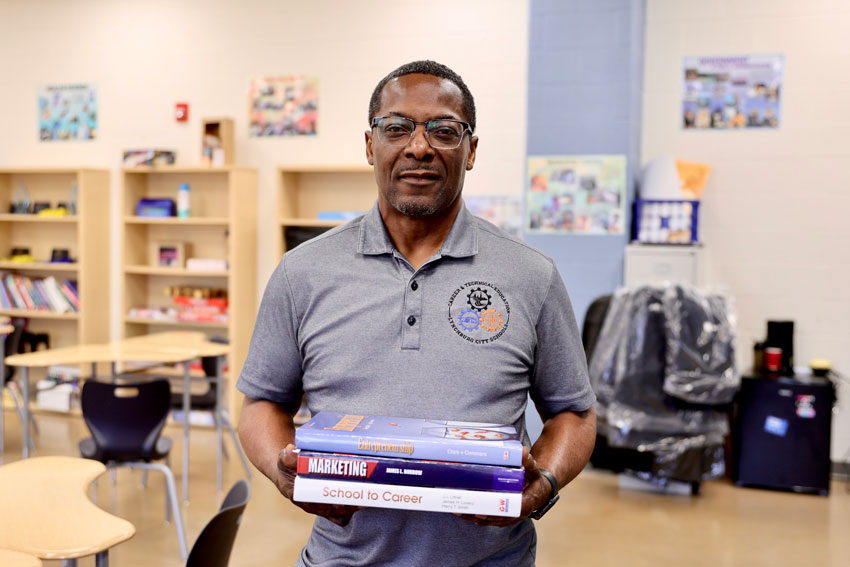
(221, 226)
(85, 235)
(304, 191)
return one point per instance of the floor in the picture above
(595, 524)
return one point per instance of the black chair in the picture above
(12, 346)
(213, 546)
(126, 421)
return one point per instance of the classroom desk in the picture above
(9, 558)
(198, 343)
(46, 513)
(169, 348)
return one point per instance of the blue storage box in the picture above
(666, 221)
(148, 207)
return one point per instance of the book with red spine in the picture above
(410, 472)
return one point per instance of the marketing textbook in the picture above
(410, 472)
(411, 438)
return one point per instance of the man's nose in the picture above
(418, 146)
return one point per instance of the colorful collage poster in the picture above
(283, 106)
(67, 112)
(721, 93)
(505, 211)
(576, 194)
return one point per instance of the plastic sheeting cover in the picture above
(664, 358)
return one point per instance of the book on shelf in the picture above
(422, 498)
(412, 438)
(24, 294)
(410, 472)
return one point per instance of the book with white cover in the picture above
(422, 498)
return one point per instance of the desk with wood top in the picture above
(158, 349)
(9, 558)
(44, 511)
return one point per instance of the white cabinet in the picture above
(654, 264)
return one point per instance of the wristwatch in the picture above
(537, 514)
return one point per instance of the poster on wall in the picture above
(283, 106)
(734, 92)
(576, 194)
(67, 112)
(505, 211)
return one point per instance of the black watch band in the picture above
(537, 514)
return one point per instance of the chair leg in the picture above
(245, 464)
(2, 419)
(171, 490)
(19, 408)
(145, 478)
(219, 423)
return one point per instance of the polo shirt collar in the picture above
(462, 240)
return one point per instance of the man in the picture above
(419, 309)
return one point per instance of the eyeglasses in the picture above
(441, 134)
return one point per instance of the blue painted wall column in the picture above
(585, 73)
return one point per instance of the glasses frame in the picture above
(466, 128)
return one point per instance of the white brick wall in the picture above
(774, 217)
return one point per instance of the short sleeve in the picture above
(272, 369)
(560, 381)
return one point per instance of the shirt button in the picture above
(411, 320)
(413, 285)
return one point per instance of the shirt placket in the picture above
(411, 333)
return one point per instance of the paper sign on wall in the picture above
(731, 92)
(283, 106)
(576, 194)
(67, 112)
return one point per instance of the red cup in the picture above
(772, 359)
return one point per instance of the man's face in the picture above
(415, 179)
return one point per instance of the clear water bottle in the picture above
(183, 201)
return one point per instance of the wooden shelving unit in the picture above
(222, 225)
(305, 191)
(85, 235)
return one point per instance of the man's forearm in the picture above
(265, 428)
(565, 445)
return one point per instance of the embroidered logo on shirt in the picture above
(479, 312)
(491, 320)
(479, 299)
(469, 320)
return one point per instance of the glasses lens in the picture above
(444, 134)
(395, 130)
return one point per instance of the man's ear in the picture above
(369, 156)
(473, 146)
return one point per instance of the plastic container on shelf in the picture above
(183, 201)
(666, 221)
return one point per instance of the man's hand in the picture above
(535, 493)
(287, 466)
(264, 427)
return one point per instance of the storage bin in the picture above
(666, 221)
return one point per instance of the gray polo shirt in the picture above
(468, 336)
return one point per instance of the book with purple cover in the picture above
(410, 472)
(422, 498)
(411, 438)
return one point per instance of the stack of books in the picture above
(411, 464)
(38, 294)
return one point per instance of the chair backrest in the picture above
(213, 546)
(13, 345)
(593, 321)
(125, 419)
